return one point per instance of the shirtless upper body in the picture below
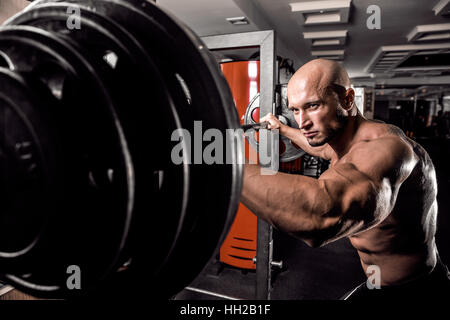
(380, 190)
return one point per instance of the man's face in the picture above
(318, 113)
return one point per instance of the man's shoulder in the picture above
(373, 129)
(384, 137)
(384, 144)
(385, 154)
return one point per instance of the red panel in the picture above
(239, 247)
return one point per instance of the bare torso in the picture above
(381, 185)
(403, 244)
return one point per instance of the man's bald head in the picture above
(319, 74)
(319, 93)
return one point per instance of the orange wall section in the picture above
(239, 247)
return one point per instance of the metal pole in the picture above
(267, 92)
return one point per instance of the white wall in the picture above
(446, 104)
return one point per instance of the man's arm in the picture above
(296, 136)
(354, 195)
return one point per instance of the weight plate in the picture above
(210, 209)
(99, 34)
(27, 180)
(171, 45)
(98, 186)
(200, 93)
(179, 54)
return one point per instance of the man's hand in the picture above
(274, 123)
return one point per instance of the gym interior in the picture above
(90, 186)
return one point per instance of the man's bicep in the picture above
(370, 177)
(360, 201)
(349, 187)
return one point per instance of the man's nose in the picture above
(303, 120)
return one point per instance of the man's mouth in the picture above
(310, 134)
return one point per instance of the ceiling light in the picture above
(238, 20)
(329, 54)
(322, 18)
(442, 7)
(319, 5)
(331, 42)
(403, 52)
(322, 12)
(326, 38)
(325, 34)
(439, 36)
(427, 32)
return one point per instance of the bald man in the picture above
(380, 190)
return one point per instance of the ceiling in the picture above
(366, 52)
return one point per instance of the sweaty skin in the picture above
(380, 190)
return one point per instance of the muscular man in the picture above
(380, 190)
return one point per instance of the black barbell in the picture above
(89, 106)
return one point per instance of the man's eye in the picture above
(313, 106)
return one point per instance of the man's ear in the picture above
(349, 98)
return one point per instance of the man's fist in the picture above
(274, 122)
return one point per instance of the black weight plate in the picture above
(135, 83)
(215, 189)
(98, 184)
(28, 175)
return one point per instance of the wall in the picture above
(11, 7)
(446, 104)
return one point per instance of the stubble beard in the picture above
(331, 132)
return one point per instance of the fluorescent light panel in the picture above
(442, 7)
(319, 5)
(403, 51)
(438, 36)
(396, 54)
(429, 32)
(331, 42)
(428, 52)
(325, 34)
(313, 18)
(332, 57)
(238, 20)
(327, 53)
(322, 12)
